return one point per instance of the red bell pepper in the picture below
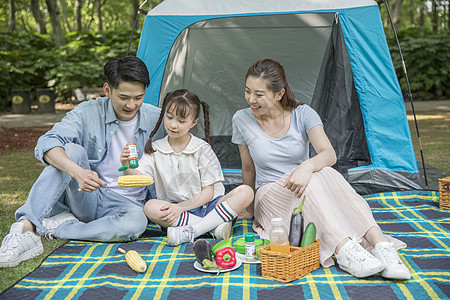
(226, 258)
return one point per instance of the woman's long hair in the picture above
(273, 72)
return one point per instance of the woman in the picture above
(273, 135)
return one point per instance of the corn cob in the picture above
(134, 180)
(134, 260)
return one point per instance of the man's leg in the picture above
(46, 198)
(118, 219)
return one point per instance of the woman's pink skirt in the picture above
(331, 203)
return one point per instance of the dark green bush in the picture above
(29, 61)
(427, 62)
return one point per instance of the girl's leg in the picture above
(226, 210)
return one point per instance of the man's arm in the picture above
(88, 180)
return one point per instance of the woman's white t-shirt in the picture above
(273, 157)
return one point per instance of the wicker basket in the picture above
(444, 193)
(288, 267)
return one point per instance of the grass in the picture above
(20, 169)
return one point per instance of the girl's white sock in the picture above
(220, 214)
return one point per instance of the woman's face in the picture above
(259, 97)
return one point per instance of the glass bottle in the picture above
(279, 238)
(250, 247)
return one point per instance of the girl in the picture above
(273, 135)
(188, 176)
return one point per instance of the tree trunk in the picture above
(134, 10)
(64, 15)
(98, 10)
(58, 34)
(78, 6)
(396, 10)
(37, 14)
(421, 16)
(434, 19)
(12, 16)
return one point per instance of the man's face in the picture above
(126, 100)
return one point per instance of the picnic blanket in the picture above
(84, 270)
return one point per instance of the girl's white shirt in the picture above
(180, 176)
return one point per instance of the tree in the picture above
(57, 31)
(134, 11)
(396, 10)
(37, 14)
(78, 18)
(98, 9)
(12, 16)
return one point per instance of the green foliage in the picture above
(427, 62)
(29, 61)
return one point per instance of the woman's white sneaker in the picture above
(394, 267)
(18, 246)
(356, 260)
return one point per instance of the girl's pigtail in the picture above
(205, 107)
(148, 146)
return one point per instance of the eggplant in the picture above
(202, 251)
(297, 225)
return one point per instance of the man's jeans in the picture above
(103, 215)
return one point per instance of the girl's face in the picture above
(177, 126)
(260, 98)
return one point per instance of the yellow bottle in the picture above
(279, 239)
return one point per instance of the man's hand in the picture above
(88, 180)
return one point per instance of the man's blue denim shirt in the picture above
(92, 124)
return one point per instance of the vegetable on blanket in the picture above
(134, 260)
(220, 245)
(202, 251)
(226, 258)
(297, 225)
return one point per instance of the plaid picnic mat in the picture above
(82, 270)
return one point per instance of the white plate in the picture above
(242, 257)
(199, 267)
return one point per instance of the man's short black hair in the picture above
(128, 69)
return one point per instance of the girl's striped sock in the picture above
(220, 214)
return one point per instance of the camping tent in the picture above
(336, 59)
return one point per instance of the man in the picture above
(77, 196)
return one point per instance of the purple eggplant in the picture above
(297, 225)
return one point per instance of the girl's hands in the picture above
(124, 156)
(171, 212)
(299, 178)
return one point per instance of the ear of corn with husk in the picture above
(134, 180)
(134, 260)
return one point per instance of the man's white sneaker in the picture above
(223, 231)
(180, 235)
(394, 267)
(53, 222)
(356, 260)
(18, 246)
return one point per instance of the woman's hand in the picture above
(171, 212)
(299, 178)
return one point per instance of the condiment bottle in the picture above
(250, 246)
(132, 157)
(279, 239)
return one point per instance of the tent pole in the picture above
(140, 10)
(409, 88)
